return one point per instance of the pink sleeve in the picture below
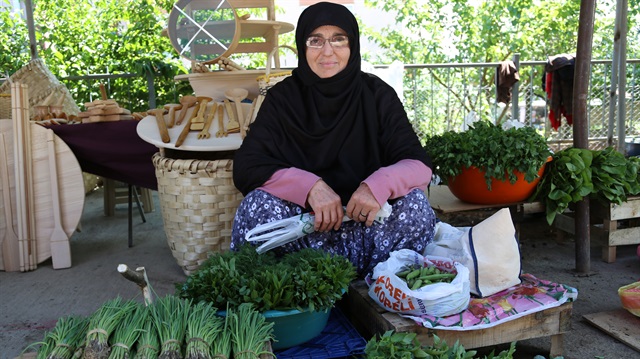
(291, 184)
(398, 179)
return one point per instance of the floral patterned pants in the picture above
(411, 225)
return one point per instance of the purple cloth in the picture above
(113, 150)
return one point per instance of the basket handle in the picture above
(272, 54)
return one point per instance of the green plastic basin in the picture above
(294, 327)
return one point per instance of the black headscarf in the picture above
(341, 128)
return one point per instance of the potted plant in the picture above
(488, 164)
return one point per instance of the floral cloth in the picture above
(530, 296)
(410, 225)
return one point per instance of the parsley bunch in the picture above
(309, 279)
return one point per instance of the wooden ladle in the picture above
(237, 95)
(186, 102)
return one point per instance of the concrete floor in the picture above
(32, 302)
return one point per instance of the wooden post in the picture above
(581, 127)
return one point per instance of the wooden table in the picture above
(370, 319)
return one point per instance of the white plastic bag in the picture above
(439, 299)
(489, 250)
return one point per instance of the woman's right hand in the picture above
(327, 207)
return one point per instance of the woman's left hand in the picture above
(363, 206)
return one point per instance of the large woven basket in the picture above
(42, 83)
(198, 202)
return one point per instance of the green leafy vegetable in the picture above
(308, 279)
(392, 345)
(495, 151)
(574, 173)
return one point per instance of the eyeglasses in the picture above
(337, 41)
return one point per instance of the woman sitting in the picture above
(336, 141)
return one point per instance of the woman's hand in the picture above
(363, 206)
(327, 207)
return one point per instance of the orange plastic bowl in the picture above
(470, 186)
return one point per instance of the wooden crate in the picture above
(370, 319)
(606, 227)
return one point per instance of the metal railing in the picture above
(440, 97)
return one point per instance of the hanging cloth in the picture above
(506, 76)
(558, 84)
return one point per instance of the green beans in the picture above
(417, 277)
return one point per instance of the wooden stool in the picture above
(116, 193)
(111, 199)
(371, 319)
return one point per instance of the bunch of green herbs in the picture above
(250, 332)
(170, 315)
(148, 344)
(605, 176)
(127, 333)
(102, 323)
(221, 346)
(203, 329)
(44, 347)
(490, 148)
(309, 279)
(65, 339)
(392, 345)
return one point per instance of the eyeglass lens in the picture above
(317, 42)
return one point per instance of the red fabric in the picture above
(555, 120)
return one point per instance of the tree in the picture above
(78, 38)
(461, 31)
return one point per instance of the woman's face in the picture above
(327, 60)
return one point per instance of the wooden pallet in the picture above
(370, 319)
(620, 324)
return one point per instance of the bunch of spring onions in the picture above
(45, 347)
(203, 327)
(148, 345)
(221, 345)
(127, 333)
(249, 332)
(170, 315)
(65, 339)
(102, 323)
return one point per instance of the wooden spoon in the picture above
(186, 102)
(172, 107)
(162, 126)
(237, 95)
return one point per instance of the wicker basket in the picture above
(198, 202)
(42, 83)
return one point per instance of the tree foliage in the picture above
(81, 37)
(434, 31)
(77, 38)
(462, 31)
